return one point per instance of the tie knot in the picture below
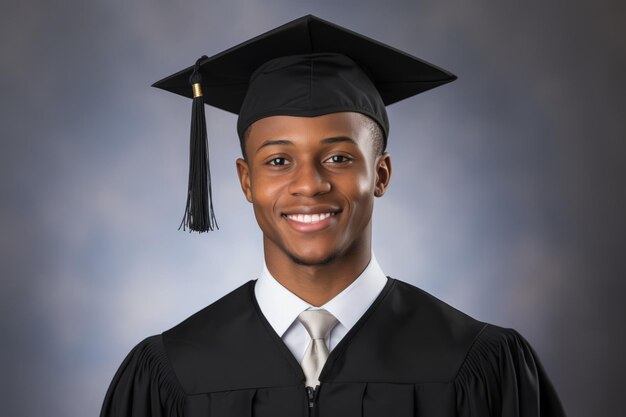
(318, 323)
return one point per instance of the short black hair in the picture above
(376, 133)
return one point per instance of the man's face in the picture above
(312, 183)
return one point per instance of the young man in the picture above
(323, 331)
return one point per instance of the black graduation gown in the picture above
(409, 355)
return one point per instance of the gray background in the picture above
(507, 198)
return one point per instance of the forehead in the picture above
(350, 124)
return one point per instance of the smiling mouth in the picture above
(309, 218)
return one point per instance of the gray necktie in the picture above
(318, 323)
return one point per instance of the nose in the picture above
(309, 181)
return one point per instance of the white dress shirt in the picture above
(281, 307)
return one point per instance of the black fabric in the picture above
(392, 75)
(310, 85)
(409, 355)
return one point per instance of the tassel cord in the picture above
(199, 214)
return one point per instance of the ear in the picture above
(243, 170)
(383, 173)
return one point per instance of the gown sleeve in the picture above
(502, 376)
(144, 385)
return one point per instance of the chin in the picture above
(312, 260)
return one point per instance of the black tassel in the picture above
(199, 215)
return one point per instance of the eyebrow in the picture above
(274, 142)
(288, 142)
(338, 139)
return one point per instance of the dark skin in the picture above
(312, 183)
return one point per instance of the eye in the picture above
(278, 161)
(339, 159)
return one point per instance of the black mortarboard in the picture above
(307, 67)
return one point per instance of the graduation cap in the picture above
(307, 67)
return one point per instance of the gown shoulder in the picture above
(502, 376)
(145, 384)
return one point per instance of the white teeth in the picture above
(309, 218)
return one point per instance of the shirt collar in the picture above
(281, 307)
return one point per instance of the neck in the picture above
(318, 283)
